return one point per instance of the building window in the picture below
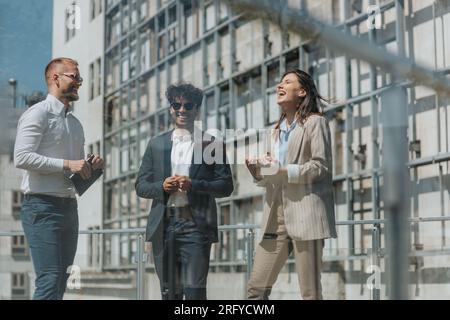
(17, 198)
(145, 53)
(143, 10)
(172, 39)
(222, 250)
(94, 148)
(134, 12)
(273, 108)
(224, 63)
(112, 71)
(210, 109)
(191, 21)
(243, 98)
(210, 17)
(95, 79)
(224, 108)
(133, 151)
(98, 87)
(94, 248)
(91, 81)
(113, 28)
(125, 69)
(172, 15)
(19, 285)
(19, 247)
(125, 19)
(211, 64)
(162, 122)
(73, 17)
(223, 11)
(133, 57)
(96, 8)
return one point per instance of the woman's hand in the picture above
(253, 167)
(266, 160)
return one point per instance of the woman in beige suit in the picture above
(297, 175)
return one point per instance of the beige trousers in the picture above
(272, 253)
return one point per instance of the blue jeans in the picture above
(51, 228)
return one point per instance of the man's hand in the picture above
(97, 163)
(184, 183)
(170, 185)
(78, 166)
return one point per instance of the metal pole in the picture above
(170, 270)
(250, 248)
(394, 113)
(301, 22)
(400, 27)
(376, 258)
(13, 84)
(140, 267)
(14, 96)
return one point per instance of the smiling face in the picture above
(183, 116)
(63, 80)
(69, 82)
(289, 92)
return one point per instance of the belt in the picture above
(48, 198)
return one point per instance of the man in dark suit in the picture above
(183, 183)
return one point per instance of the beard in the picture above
(71, 94)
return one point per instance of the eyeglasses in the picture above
(188, 105)
(74, 77)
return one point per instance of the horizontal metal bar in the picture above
(363, 16)
(236, 227)
(303, 23)
(135, 230)
(360, 222)
(429, 160)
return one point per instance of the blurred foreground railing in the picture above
(376, 253)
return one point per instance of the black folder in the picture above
(82, 185)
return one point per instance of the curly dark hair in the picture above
(186, 91)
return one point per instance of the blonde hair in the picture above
(55, 62)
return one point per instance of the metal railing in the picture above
(140, 258)
(376, 252)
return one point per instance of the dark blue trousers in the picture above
(192, 251)
(51, 228)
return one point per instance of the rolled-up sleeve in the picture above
(293, 173)
(30, 130)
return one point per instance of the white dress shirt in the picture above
(181, 158)
(46, 136)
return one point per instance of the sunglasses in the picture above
(177, 106)
(74, 77)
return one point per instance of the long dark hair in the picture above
(310, 104)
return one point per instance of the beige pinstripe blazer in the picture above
(308, 202)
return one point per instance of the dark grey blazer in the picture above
(209, 181)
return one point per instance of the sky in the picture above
(25, 44)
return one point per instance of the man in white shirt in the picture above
(49, 147)
(183, 217)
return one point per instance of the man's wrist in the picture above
(66, 165)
